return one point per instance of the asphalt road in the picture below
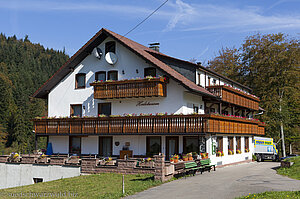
(228, 183)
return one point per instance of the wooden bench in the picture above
(191, 167)
(206, 165)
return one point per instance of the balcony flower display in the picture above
(204, 155)
(246, 150)
(238, 151)
(219, 153)
(230, 152)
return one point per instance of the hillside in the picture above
(24, 67)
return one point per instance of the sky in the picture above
(186, 29)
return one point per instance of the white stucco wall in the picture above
(60, 144)
(228, 159)
(64, 94)
(13, 175)
(90, 145)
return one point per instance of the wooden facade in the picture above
(233, 96)
(155, 87)
(166, 124)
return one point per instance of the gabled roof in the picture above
(140, 50)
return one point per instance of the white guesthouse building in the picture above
(116, 97)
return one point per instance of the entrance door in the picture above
(105, 146)
(171, 146)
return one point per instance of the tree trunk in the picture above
(291, 148)
(282, 137)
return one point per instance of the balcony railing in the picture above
(166, 124)
(155, 87)
(233, 96)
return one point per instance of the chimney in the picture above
(154, 46)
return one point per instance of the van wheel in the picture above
(258, 158)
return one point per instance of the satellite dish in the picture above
(111, 58)
(97, 52)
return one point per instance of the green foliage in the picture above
(106, 185)
(293, 171)
(274, 195)
(268, 64)
(24, 67)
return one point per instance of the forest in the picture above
(24, 67)
(268, 64)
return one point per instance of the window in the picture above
(190, 144)
(76, 110)
(74, 145)
(195, 108)
(247, 143)
(150, 72)
(208, 81)
(105, 146)
(100, 76)
(219, 143)
(238, 143)
(110, 47)
(37, 180)
(199, 79)
(212, 110)
(80, 80)
(104, 109)
(112, 75)
(153, 145)
(230, 143)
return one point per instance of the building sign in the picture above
(147, 103)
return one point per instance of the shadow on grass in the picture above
(144, 179)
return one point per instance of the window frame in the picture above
(110, 72)
(100, 72)
(150, 68)
(100, 150)
(230, 143)
(76, 81)
(148, 143)
(220, 147)
(72, 109)
(70, 144)
(184, 144)
(100, 105)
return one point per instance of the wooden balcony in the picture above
(155, 87)
(167, 124)
(233, 96)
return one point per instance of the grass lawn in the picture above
(293, 171)
(274, 195)
(108, 185)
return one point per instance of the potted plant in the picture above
(190, 156)
(238, 151)
(195, 155)
(176, 158)
(246, 150)
(185, 158)
(204, 155)
(220, 153)
(230, 152)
